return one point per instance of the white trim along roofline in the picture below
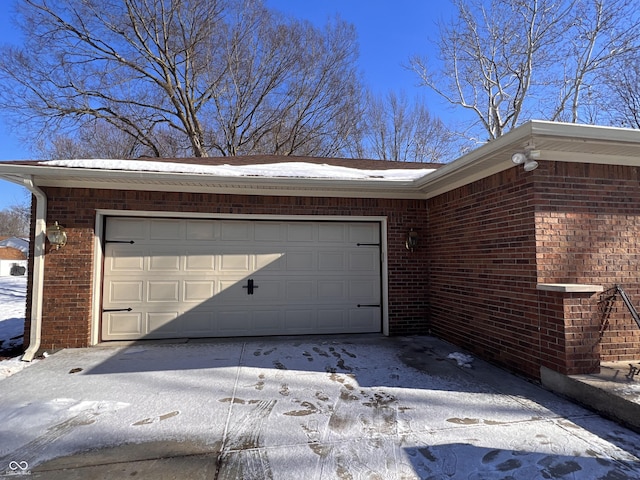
(554, 141)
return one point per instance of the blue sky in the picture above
(389, 33)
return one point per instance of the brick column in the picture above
(569, 327)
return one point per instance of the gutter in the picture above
(37, 275)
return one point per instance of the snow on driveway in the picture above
(361, 407)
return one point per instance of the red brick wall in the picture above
(569, 334)
(484, 248)
(68, 271)
(588, 221)
(482, 269)
(492, 242)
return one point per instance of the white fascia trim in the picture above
(581, 133)
(99, 254)
(184, 182)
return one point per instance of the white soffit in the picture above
(560, 142)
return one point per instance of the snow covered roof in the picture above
(331, 177)
(256, 175)
(273, 170)
(21, 244)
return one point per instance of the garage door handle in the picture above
(250, 286)
(117, 309)
(360, 305)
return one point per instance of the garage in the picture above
(188, 278)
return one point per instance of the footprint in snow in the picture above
(149, 421)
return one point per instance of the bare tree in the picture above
(400, 130)
(624, 100)
(14, 220)
(100, 139)
(288, 89)
(601, 34)
(187, 77)
(510, 60)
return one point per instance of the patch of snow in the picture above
(11, 366)
(13, 291)
(275, 170)
(462, 359)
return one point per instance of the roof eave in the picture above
(47, 176)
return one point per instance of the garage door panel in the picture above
(364, 290)
(332, 261)
(235, 231)
(164, 261)
(121, 259)
(232, 292)
(163, 291)
(189, 277)
(332, 290)
(127, 229)
(233, 323)
(198, 291)
(331, 233)
(364, 261)
(200, 261)
(300, 291)
(163, 324)
(300, 261)
(266, 262)
(197, 323)
(267, 291)
(268, 232)
(164, 230)
(124, 325)
(298, 322)
(267, 321)
(300, 232)
(363, 319)
(235, 262)
(364, 233)
(202, 230)
(330, 320)
(125, 291)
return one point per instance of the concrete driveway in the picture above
(363, 407)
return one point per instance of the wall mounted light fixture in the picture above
(57, 235)
(412, 240)
(528, 158)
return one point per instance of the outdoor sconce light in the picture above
(528, 157)
(57, 235)
(412, 240)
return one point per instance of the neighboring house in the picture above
(12, 261)
(21, 244)
(508, 262)
(13, 256)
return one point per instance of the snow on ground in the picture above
(276, 170)
(12, 309)
(13, 291)
(462, 359)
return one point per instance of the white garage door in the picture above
(173, 278)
